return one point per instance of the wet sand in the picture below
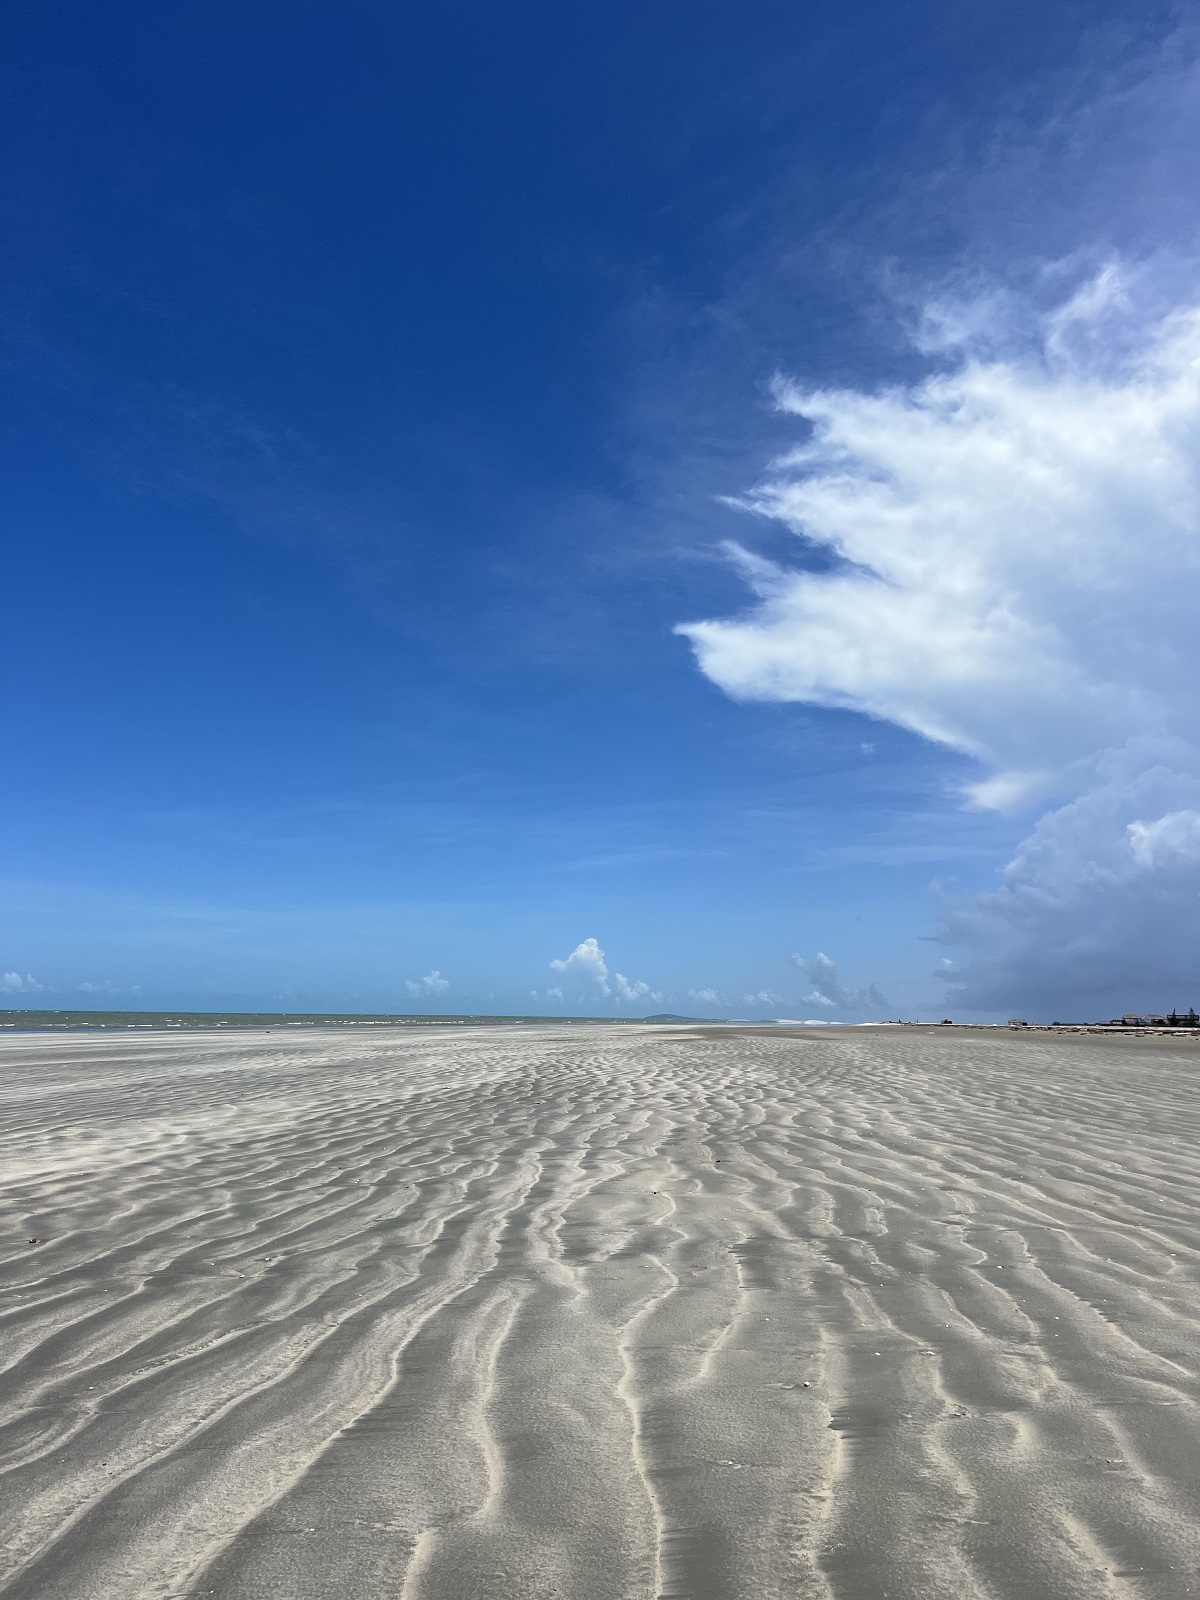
(599, 1312)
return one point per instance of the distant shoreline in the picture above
(43, 1021)
(174, 1020)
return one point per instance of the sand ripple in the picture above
(607, 1313)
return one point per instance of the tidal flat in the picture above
(599, 1313)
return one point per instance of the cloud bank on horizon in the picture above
(1012, 554)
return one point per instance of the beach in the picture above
(599, 1313)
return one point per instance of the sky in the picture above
(601, 509)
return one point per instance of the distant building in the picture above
(1153, 1019)
(1017, 1022)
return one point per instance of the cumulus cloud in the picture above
(1014, 552)
(431, 983)
(764, 997)
(14, 983)
(633, 989)
(1174, 840)
(829, 988)
(586, 961)
(1099, 909)
(709, 997)
(97, 988)
(1010, 566)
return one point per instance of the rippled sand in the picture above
(598, 1313)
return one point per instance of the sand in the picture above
(598, 1312)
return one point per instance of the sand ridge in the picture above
(599, 1313)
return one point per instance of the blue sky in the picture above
(385, 389)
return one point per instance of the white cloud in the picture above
(633, 989)
(764, 997)
(1011, 555)
(586, 961)
(555, 994)
(829, 988)
(1015, 547)
(1098, 912)
(1174, 840)
(97, 988)
(709, 997)
(14, 983)
(431, 983)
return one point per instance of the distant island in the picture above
(669, 1016)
